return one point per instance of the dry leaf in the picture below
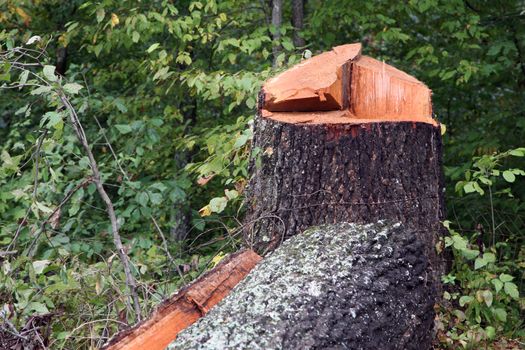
(205, 211)
(201, 181)
(217, 259)
(54, 220)
(114, 20)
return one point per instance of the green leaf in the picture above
(72, 88)
(135, 37)
(152, 48)
(53, 118)
(469, 187)
(40, 265)
(465, 299)
(231, 194)
(41, 90)
(250, 102)
(497, 284)
(100, 15)
(487, 297)
(49, 73)
(443, 128)
(500, 314)
(241, 141)
(43, 208)
(23, 77)
(482, 261)
(123, 128)
(509, 176)
(512, 290)
(142, 198)
(489, 257)
(505, 278)
(218, 204)
(479, 263)
(460, 243)
(35, 307)
(470, 254)
(491, 332)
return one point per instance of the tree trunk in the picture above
(297, 22)
(345, 165)
(277, 18)
(345, 286)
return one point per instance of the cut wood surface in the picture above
(317, 84)
(380, 90)
(343, 86)
(187, 305)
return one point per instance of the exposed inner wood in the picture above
(341, 86)
(187, 306)
(380, 90)
(338, 117)
(317, 84)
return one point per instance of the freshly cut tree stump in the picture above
(343, 286)
(186, 306)
(369, 153)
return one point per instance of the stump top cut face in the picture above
(342, 86)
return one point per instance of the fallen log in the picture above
(343, 286)
(186, 306)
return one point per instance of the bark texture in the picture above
(297, 22)
(344, 286)
(312, 174)
(277, 19)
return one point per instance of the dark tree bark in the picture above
(277, 18)
(316, 174)
(345, 286)
(61, 61)
(297, 22)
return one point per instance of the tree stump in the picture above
(343, 137)
(343, 286)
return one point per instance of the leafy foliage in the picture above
(166, 91)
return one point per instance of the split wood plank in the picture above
(187, 305)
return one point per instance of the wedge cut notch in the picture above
(317, 84)
(186, 306)
(343, 86)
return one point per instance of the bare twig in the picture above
(97, 179)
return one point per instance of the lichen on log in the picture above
(342, 286)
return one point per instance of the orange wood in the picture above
(342, 86)
(186, 306)
(314, 84)
(379, 90)
(337, 117)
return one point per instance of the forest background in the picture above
(158, 96)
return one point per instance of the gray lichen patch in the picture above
(344, 286)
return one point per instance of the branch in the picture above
(97, 180)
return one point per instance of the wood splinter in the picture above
(186, 306)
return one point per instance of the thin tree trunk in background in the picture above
(277, 18)
(297, 22)
(180, 216)
(181, 213)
